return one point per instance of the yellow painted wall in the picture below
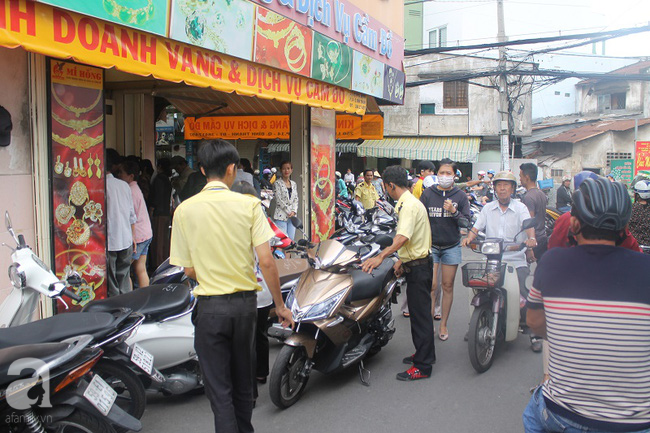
(388, 12)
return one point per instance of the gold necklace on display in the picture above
(276, 36)
(78, 125)
(80, 143)
(78, 111)
(296, 39)
(129, 15)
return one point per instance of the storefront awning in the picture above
(461, 149)
(341, 147)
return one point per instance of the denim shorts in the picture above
(142, 249)
(447, 256)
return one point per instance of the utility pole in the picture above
(504, 109)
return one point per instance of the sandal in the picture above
(443, 337)
(437, 317)
(407, 315)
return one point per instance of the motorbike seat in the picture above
(60, 327)
(45, 353)
(366, 286)
(155, 302)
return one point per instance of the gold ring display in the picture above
(93, 211)
(79, 143)
(78, 193)
(129, 15)
(78, 125)
(78, 111)
(64, 213)
(78, 233)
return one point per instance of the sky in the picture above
(542, 18)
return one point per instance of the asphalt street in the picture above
(455, 399)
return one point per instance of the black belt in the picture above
(242, 294)
(417, 262)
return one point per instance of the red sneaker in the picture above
(412, 374)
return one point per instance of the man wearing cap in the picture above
(503, 218)
(563, 197)
(426, 168)
(365, 192)
(377, 183)
(412, 243)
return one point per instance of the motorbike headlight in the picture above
(491, 248)
(17, 277)
(323, 309)
(291, 298)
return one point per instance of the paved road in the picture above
(454, 400)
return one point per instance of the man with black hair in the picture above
(120, 220)
(535, 200)
(412, 243)
(225, 314)
(597, 301)
(426, 168)
(366, 192)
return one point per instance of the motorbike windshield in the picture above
(331, 253)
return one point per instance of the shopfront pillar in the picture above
(299, 139)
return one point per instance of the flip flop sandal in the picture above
(437, 317)
(443, 337)
(406, 315)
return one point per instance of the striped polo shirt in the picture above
(596, 299)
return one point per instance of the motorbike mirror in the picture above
(528, 224)
(384, 241)
(296, 222)
(10, 228)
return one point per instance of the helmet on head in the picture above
(602, 204)
(273, 170)
(642, 188)
(429, 181)
(492, 172)
(481, 173)
(338, 173)
(266, 171)
(505, 175)
(580, 177)
(459, 173)
(376, 174)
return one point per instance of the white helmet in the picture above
(481, 173)
(274, 170)
(642, 188)
(338, 174)
(429, 181)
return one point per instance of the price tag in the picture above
(100, 394)
(142, 359)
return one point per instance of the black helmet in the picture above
(602, 204)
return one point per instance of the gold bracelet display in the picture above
(137, 16)
(80, 143)
(296, 39)
(78, 111)
(78, 125)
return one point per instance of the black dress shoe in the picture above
(261, 380)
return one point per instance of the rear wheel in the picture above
(288, 378)
(480, 341)
(80, 422)
(131, 395)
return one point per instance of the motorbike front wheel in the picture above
(287, 381)
(480, 341)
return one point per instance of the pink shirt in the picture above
(143, 224)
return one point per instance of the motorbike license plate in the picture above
(142, 359)
(100, 394)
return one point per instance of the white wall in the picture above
(16, 179)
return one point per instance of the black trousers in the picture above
(418, 294)
(224, 342)
(262, 342)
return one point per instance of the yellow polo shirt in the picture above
(367, 194)
(418, 189)
(413, 223)
(215, 232)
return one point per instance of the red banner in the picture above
(78, 182)
(642, 157)
(322, 161)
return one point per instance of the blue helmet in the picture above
(492, 172)
(580, 177)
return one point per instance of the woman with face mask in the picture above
(446, 206)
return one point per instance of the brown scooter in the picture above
(342, 316)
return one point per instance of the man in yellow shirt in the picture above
(426, 169)
(214, 236)
(365, 192)
(412, 243)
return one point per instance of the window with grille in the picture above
(455, 94)
(617, 155)
(438, 37)
(618, 101)
(427, 108)
(556, 172)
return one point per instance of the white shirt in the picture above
(242, 176)
(504, 225)
(120, 214)
(348, 178)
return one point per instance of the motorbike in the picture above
(552, 214)
(121, 363)
(50, 387)
(342, 316)
(496, 301)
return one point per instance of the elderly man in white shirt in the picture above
(503, 218)
(120, 221)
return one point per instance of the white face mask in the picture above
(445, 181)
